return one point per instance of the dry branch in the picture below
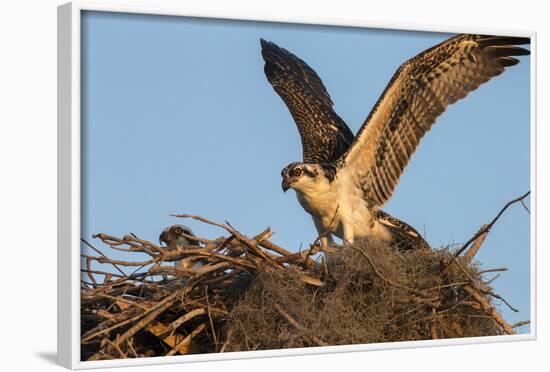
(478, 242)
(167, 302)
(489, 309)
(299, 327)
(486, 228)
(238, 293)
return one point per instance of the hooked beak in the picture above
(163, 238)
(286, 184)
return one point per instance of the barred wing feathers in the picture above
(325, 136)
(418, 93)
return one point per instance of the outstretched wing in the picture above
(418, 93)
(325, 136)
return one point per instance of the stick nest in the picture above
(243, 293)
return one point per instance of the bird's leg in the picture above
(326, 240)
(325, 237)
(348, 234)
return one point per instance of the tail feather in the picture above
(405, 237)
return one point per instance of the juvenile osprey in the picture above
(344, 180)
(176, 237)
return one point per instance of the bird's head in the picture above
(301, 176)
(177, 235)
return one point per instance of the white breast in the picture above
(340, 205)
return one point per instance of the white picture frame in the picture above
(69, 173)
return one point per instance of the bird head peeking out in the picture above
(175, 236)
(302, 176)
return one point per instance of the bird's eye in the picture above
(178, 230)
(297, 172)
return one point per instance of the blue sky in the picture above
(178, 117)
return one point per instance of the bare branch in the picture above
(488, 227)
(160, 306)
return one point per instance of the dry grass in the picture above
(254, 295)
(412, 296)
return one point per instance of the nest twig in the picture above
(248, 293)
(171, 306)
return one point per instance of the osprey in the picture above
(344, 179)
(178, 237)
